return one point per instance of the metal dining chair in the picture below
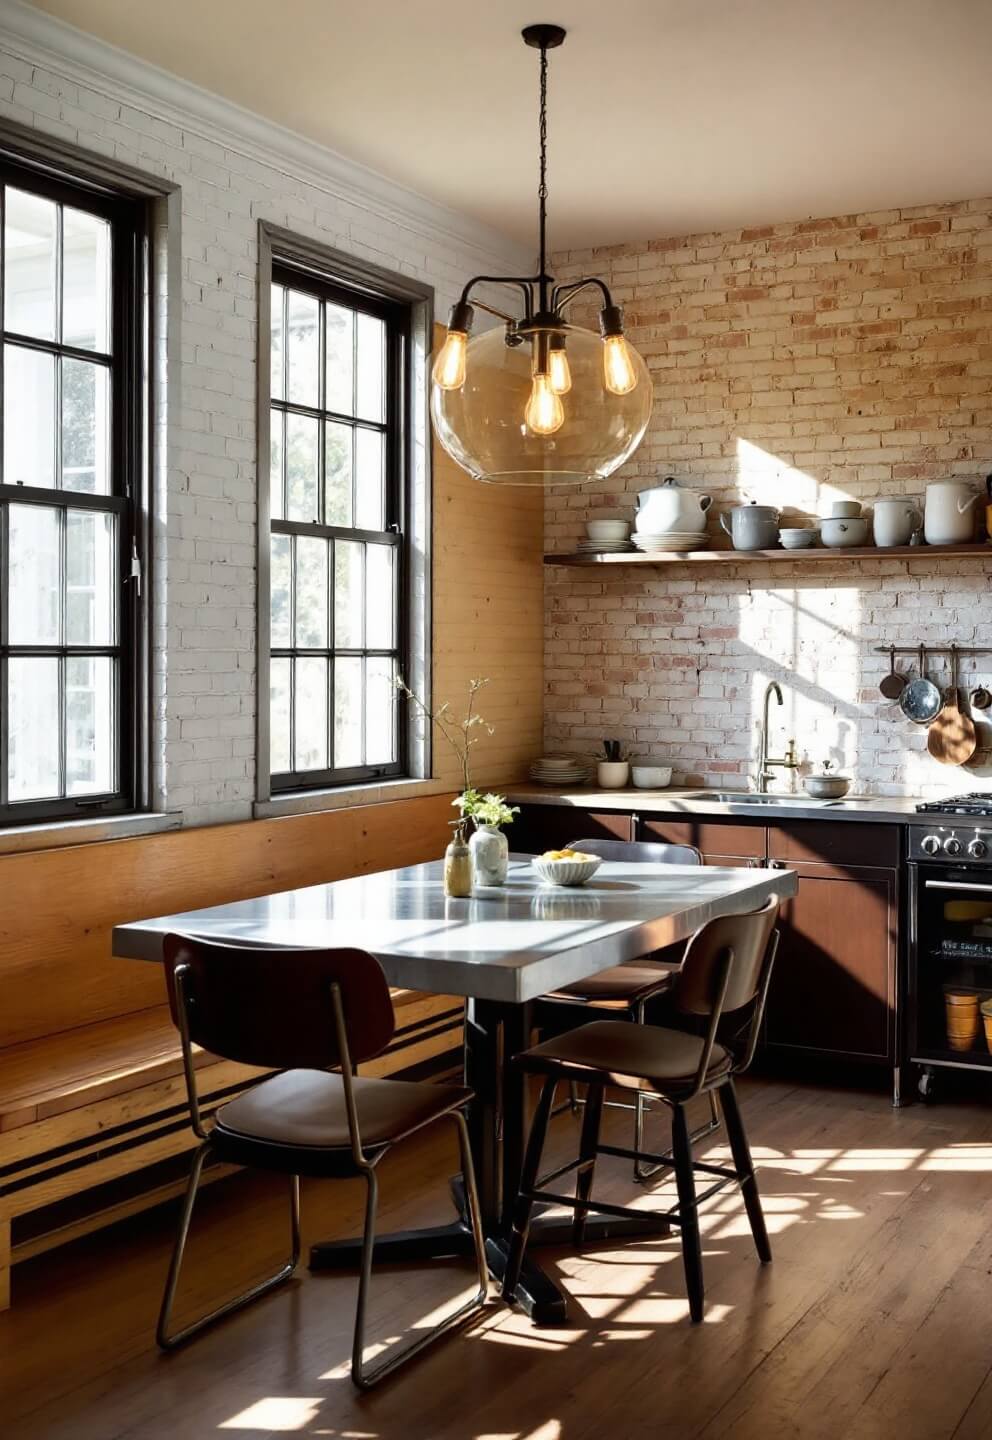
(718, 1000)
(305, 1013)
(630, 988)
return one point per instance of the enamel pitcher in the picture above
(668, 507)
(948, 518)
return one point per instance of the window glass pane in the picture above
(340, 324)
(280, 758)
(380, 711)
(90, 568)
(370, 390)
(337, 473)
(277, 425)
(301, 467)
(85, 427)
(29, 237)
(85, 281)
(311, 593)
(304, 349)
(281, 580)
(348, 594)
(311, 713)
(379, 597)
(34, 575)
(28, 417)
(347, 711)
(277, 379)
(33, 744)
(89, 724)
(369, 480)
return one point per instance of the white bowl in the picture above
(566, 872)
(798, 539)
(840, 532)
(650, 777)
(607, 529)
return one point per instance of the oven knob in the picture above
(930, 844)
(977, 849)
(952, 845)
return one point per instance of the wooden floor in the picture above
(874, 1322)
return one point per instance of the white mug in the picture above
(894, 522)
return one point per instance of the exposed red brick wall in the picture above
(792, 364)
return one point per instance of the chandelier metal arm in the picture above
(522, 283)
(563, 295)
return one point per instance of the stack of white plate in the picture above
(560, 770)
(604, 547)
(671, 540)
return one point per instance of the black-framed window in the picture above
(337, 509)
(70, 375)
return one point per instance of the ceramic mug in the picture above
(894, 522)
(752, 527)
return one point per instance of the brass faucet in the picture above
(790, 761)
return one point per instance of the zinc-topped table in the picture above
(502, 949)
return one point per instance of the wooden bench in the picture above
(84, 1108)
(93, 1119)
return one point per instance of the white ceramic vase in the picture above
(490, 851)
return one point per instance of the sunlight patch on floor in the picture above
(277, 1413)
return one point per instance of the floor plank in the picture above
(871, 1323)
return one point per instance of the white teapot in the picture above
(668, 507)
(947, 513)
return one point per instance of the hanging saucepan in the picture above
(893, 684)
(921, 701)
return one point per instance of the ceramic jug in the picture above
(948, 518)
(894, 522)
(669, 507)
(752, 527)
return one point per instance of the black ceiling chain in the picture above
(542, 189)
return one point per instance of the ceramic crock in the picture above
(894, 522)
(948, 518)
(752, 527)
(669, 507)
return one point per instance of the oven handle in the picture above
(956, 885)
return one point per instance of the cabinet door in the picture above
(833, 987)
(722, 842)
(549, 827)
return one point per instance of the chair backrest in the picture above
(274, 1008)
(640, 852)
(700, 980)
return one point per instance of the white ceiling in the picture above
(667, 116)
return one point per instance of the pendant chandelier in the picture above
(538, 400)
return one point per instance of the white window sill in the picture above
(342, 797)
(56, 834)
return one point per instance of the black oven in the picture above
(949, 979)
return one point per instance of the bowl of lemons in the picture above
(565, 867)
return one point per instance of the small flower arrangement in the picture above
(489, 809)
(462, 736)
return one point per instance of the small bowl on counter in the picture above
(646, 776)
(826, 787)
(572, 869)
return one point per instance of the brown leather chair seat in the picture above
(307, 1108)
(634, 1057)
(620, 986)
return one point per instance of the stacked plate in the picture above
(602, 547)
(560, 770)
(671, 540)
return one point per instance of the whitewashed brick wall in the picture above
(793, 365)
(205, 600)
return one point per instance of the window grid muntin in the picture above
(395, 318)
(125, 219)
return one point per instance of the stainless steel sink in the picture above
(755, 797)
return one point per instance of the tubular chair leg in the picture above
(692, 1255)
(524, 1205)
(744, 1166)
(644, 1171)
(171, 1342)
(365, 1377)
(587, 1160)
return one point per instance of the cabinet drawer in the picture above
(841, 842)
(710, 836)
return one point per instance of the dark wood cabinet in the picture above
(549, 827)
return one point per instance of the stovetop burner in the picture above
(978, 803)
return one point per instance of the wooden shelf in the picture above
(814, 555)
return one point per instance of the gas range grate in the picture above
(978, 803)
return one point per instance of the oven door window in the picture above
(954, 964)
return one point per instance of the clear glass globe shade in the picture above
(482, 423)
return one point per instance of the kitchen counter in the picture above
(875, 808)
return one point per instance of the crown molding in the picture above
(40, 39)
